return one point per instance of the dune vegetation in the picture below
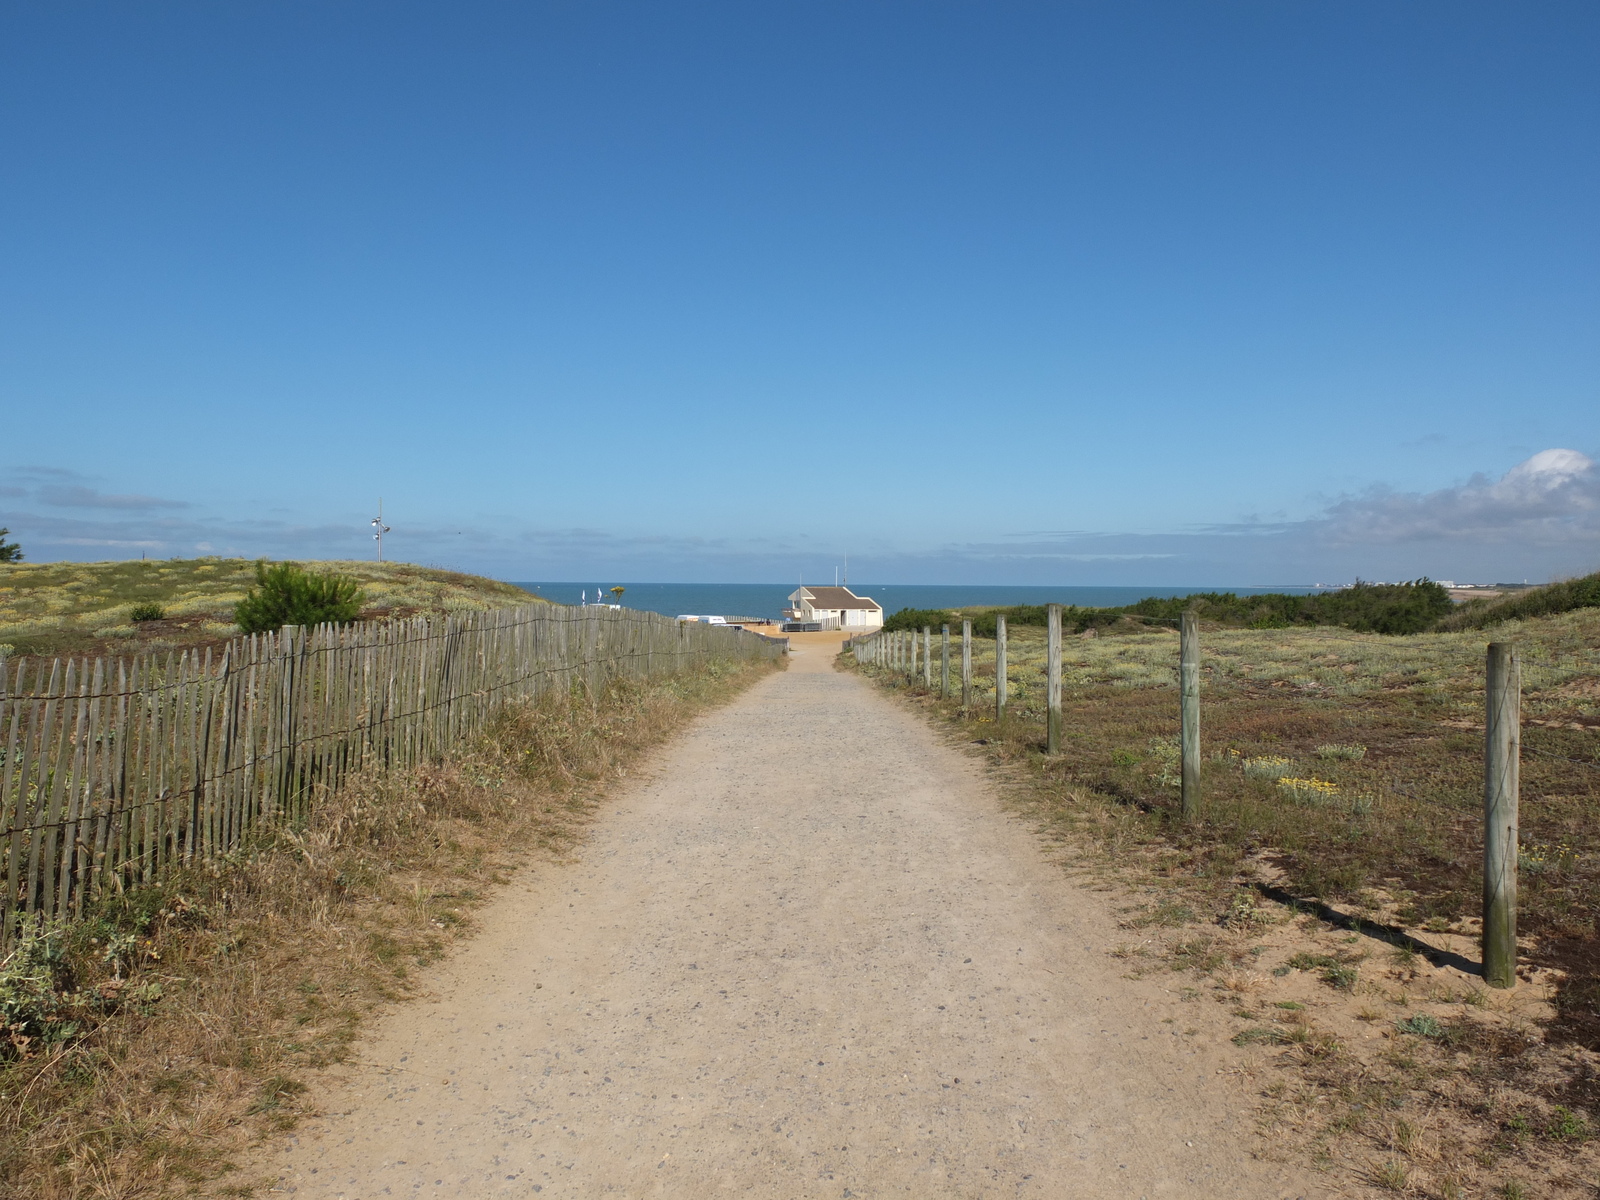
(112, 608)
(1343, 775)
(1567, 595)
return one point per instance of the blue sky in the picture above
(1033, 293)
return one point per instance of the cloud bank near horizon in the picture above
(1539, 520)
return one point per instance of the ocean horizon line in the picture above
(767, 600)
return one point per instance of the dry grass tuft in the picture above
(261, 967)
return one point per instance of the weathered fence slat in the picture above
(113, 773)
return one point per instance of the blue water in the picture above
(769, 599)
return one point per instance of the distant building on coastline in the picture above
(835, 608)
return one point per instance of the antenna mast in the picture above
(379, 529)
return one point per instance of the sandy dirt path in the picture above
(808, 957)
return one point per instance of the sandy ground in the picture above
(809, 956)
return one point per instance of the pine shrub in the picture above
(288, 594)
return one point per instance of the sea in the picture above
(769, 599)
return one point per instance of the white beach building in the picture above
(835, 608)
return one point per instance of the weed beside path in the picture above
(1339, 847)
(152, 1041)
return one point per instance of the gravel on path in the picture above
(809, 956)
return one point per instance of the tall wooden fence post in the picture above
(927, 658)
(1052, 676)
(966, 667)
(999, 669)
(1189, 734)
(944, 663)
(1502, 744)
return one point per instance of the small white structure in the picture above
(835, 608)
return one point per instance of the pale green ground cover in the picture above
(1560, 655)
(56, 608)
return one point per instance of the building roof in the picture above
(837, 597)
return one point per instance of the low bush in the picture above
(1553, 598)
(1393, 608)
(146, 612)
(916, 618)
(288, 594)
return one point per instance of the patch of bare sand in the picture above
(808, 957)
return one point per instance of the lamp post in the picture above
(379, 529)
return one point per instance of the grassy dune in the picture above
(86, 608)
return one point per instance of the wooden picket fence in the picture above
(117, 771)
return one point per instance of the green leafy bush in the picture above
(916, 618)
(34, 978)
(146, 611)
(288, 594)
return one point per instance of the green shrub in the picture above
(34, 978)
(916, 618)
(1546, 601)
(288, 594)
(1393, 608)
(146, 612)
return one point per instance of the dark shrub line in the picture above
(1394, 608)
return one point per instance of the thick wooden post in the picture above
(1502, 745)
(999, 669)
(944, 663)
(927, 658)
(1189, 690)
(1053, 680)
(966, 667)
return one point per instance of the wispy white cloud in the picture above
(78, 496)
(58, 487)
(1551, 498)
(1540, 519)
